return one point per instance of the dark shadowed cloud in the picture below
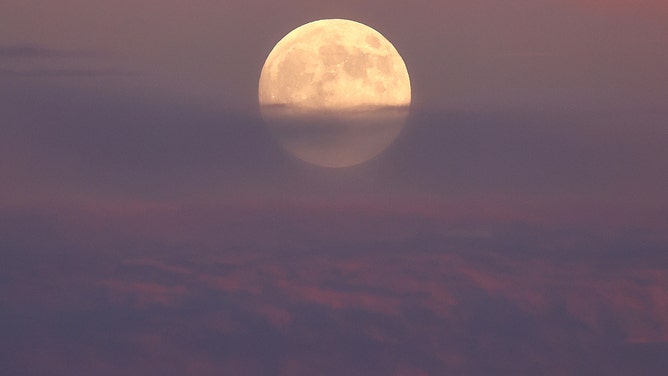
(298, 288)
(132, 145)
(64, 73)
(35, 51)
(37, 61)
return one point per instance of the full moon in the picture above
(335, 92)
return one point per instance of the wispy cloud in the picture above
(36, 51)
(84, 73)
(39, 61)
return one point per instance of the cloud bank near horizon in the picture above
(297, 289)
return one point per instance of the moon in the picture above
(334, 92)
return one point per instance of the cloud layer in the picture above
(87, 142)
(333, 288)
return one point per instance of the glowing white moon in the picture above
(335, 92)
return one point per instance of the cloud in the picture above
(34, 51)
(67, 73)
(85, 136)
(494, 242)
(189, 286)
(36, 61)
(144, 294)
(130, 145)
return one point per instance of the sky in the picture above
(150, 224)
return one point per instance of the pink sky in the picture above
(459, 54)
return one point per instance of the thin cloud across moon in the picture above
(335, 92)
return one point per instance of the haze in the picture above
(151, 224)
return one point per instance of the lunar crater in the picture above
(333, 54)
(356, 65)
(373, 41)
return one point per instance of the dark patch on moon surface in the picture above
(373, 41)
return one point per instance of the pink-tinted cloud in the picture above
(522, 284)
(159, 265)
(392, 285)
(142, 295)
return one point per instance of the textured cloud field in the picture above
(399, 288)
